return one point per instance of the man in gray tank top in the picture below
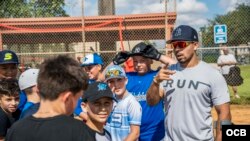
(190, 89)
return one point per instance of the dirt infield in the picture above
(240, 114)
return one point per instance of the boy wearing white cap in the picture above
(28, 84)
(125, 119)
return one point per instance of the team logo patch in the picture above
(137, 50)
(102, 87)
(7, 56)
(178, 32)
(113, 73)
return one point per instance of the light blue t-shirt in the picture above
(152, 124)
(126, 112)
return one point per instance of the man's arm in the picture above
(223, 112)
(167, 60)
(155, 93)
(134, 133)
(227, 63)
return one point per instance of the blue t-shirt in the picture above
(23, 100)
(152, 123)
(29, 109)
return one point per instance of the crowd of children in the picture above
(67, 101)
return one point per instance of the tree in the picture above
(31, 8)
(238, 28)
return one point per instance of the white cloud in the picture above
(191, 12)
(149, 8)
(188, 11)
(191, 6)
(230, 5)
(74, 7)
(138, 7)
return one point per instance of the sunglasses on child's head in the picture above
(181, 44)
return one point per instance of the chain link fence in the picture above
(39, 29)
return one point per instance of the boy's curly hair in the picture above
(9, 87)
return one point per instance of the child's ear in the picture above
(65, 96)
(84, 106)
(196, 46)
(126, 79)
(99, 67)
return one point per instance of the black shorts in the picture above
(234, 80)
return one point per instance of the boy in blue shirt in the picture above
(152, 127)
(28, 84)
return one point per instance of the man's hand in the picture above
(121, 57)
(151, 52)
(163, 74)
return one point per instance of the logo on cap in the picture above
(7, 56)
(113, 73)
(137, 50)
(178, 32)
(85, 59)
(102, 87)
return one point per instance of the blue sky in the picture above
(192, 12)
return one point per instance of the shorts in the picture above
(233, 80)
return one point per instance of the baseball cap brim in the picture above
(9, 62)
(114, 77)
(174, 40)
(136, 54)
(84, 65)
(93, 99)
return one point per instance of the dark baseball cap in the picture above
(8, 57)
(184, 33)
(138, 49)
(96, 91)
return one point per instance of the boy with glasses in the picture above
(190, 89)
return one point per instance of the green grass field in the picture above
(244, 89)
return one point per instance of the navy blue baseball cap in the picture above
(8, 57)
(96, 91)
(184, 33)
(92, 59)
(138, 49)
